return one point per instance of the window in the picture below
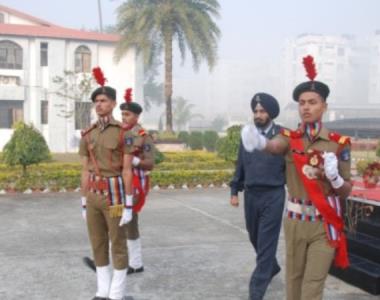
(10, 113)
(44, 54)
(44, 112)
(83, 59)
(82, 114)
(10, 55)
(2, 18)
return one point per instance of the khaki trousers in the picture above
(133, 228)
(101, 230)
(308, 259)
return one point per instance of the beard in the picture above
(260, 123)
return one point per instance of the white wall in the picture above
(37, 84)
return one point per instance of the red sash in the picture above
(139, 193)
(316, 195)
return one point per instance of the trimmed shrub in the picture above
(167, 137)
(210, 139)
(228, 146)
(27, 146)
(178, 168)
(159, 157)
(211, 165)
(56, 176)
(183, 136)
(196, 140)
(190, 156)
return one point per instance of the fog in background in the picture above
(260, 50)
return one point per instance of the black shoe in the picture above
(90, 263)
(99, 298)
(132, 270)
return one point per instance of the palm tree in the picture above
(151, 27)
(183, 113)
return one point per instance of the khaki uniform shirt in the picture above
(321, 143)
(106, 148)
(138, 142)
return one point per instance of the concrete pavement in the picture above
(194, 247)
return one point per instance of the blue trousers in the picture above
(263, 207)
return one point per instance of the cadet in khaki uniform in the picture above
(142, 148)
(106, 193)
(318, 179)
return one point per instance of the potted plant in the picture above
(371, 175)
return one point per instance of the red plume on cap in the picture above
(308, 62)
(128, 95)
(99, 76)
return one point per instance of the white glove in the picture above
(135, 161)
(252, 139)
(84, 210)
(126, 217)
(331, 170)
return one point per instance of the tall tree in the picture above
(218, 123)
(183, 113)
(153, 91)
(151, 27)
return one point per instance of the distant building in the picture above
(32, 53)
(358, 128)
(374, 77)
(341, 61)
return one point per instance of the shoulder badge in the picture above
(128, 140)
(285, 132)
(290, 133)
(142, 132)
(340, 139)
(87, 130)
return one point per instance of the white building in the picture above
(32, 53)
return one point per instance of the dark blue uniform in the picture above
(261, 176)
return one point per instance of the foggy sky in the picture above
(253, 34)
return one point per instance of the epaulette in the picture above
(340, 139)
(291, 133)
(87, 130)
(142, 132)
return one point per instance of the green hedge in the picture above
(70, 179)
(178, 168)
(201, 165)
(191, 178)
(210, 139)
(196, 140)
(191, 156)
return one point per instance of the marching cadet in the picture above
(106, 183)
(262, 177)
(140, 144)
(318, 180)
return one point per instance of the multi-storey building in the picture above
(33, 53)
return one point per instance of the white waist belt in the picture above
(302, 209)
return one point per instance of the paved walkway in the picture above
(194, 246)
